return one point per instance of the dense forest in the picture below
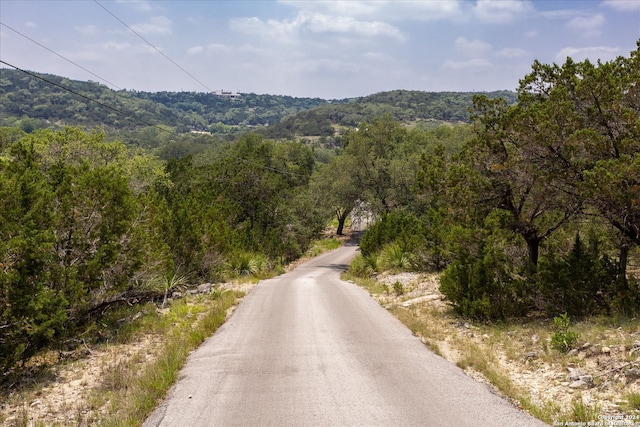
(33, 101)
(37, 100)
(530, 207)
(413, 108)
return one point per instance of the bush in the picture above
(247, 264)
(563, 339)
(398, 288)
(363, 266)
(401, 227)
(483, 288)
(394, 257)
(584, 282)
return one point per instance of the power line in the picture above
(57, 54)
(114, 109)
(152, 46)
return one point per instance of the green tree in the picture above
(335, 189)
(378, 166)
(32, 309)
(584, 118)
(513, 179)
(78, 229)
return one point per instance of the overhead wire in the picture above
(59, 55)
(123, 113)
(88, 98)
(117, 110)
(152, 46)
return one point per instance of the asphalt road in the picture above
(307, 349)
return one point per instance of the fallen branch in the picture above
(614, 369)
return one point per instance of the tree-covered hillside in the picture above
(31, 102)
(425, 109)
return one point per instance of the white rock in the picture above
(576, 374)
(578, 384)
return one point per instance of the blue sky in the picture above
(327, 49)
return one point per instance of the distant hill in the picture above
(412, 107)
(25, 97)
(31, 102)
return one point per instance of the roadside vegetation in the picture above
(121, 379)
(518, 358)
(119, 382)
(529, 212)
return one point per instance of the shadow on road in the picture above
(337, 267)
(355, 238)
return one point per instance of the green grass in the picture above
(131, 390)
(323, 245)
(632, 401)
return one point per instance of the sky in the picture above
(326, 49)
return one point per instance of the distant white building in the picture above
(226, 94)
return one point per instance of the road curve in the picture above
(307, 349)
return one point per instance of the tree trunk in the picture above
(533, 247)
(622, 265)
(342, 217)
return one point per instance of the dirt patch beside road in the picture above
(598, 378)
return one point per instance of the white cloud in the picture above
(87, 30)
(376, 56)
(128, 47)
(383, 9)
(30, 24)
(157, 25)
(330, 24)
(306, 22)
(471, 63)
(142, 5)
(590, 25)
(471, 47)
(113, 45)
(560, 13)
(501, 11)
(622, 5)
(511, 52)
(593, 53)
(195, 50)
(218, 47)
(247, 48)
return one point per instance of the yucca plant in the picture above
(364, 266)
(394, 257)
(247, 264)
(166, 283)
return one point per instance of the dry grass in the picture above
(119, 383)
(517, 357)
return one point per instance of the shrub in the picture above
(398, 288)
(401, 227)
(247, 264)
(563, 339)
(483, 288)
(394, 257)
(583, 282)
(363, 266)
